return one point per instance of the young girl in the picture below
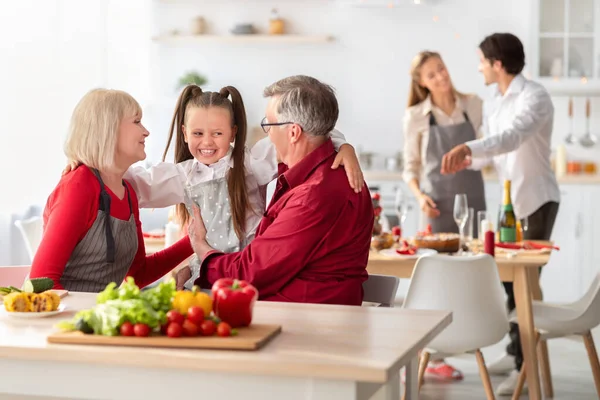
(215, 170)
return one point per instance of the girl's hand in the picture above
(197, 233)
(347, 157)
(71, 167)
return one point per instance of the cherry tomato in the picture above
(189, 328)
(174, 330)
(141, 330)
(127, 329)
(208, 327)
(224, 329)
(196, 315)
(175, 316)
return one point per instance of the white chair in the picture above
(380, 289)
(560, 320)
(32, 230)
(470, 287)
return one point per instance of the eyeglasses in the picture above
(267, 127)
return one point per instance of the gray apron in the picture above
(212, 198)
(105, 253)
(443, 188)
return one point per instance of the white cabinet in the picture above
(566, 45)
(561, 278)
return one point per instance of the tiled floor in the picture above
(571, 373)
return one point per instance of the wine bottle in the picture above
(508, 220)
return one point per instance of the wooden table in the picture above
(324, 352)
(522, 270)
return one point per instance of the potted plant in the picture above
(191, 78)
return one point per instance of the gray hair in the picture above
(307, 102)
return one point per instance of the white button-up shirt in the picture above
(518, 131)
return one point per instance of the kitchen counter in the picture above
(372, 175)
(323, 352)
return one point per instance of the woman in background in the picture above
(437, 118)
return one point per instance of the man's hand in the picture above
(182, 276)
(197, 234)
(456, 159)
(71, 167)
(347, 157)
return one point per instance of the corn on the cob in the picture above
(42, 302)
(18, 302)
(55, 299)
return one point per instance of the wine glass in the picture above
(401, 206)
(524, 226)
(461, 213)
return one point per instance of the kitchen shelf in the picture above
(252, 38)
(571, 86)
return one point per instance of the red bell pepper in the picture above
(233, 301)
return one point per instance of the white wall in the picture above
(51, 53)
(367, 63)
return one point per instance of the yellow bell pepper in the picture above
(184, 299)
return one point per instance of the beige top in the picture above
(367, 344)
(416, 128)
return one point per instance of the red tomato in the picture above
(223, 329)
(208, 327)
(189, 328)
(175, 316)
(127, 329)
(396, 231)
(174, 330)
(141, 330)
(196, 315)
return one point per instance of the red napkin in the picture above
(406, 252)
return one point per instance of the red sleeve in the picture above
(147, 269)
(275, 257)
(70, 211)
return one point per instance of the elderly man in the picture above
(312, 244)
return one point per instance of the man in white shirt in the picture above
(518, 137)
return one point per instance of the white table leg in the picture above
(412, 379)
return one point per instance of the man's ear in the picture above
(184, 133)
(294, 133)
(497, 65)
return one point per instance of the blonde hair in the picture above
(94, 127)
(418, 93)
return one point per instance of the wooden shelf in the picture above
(253, 38)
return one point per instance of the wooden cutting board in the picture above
(249, 338)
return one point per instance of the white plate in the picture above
(30, 315)
(419, 253)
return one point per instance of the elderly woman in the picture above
(92, 230)
(437, 118)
